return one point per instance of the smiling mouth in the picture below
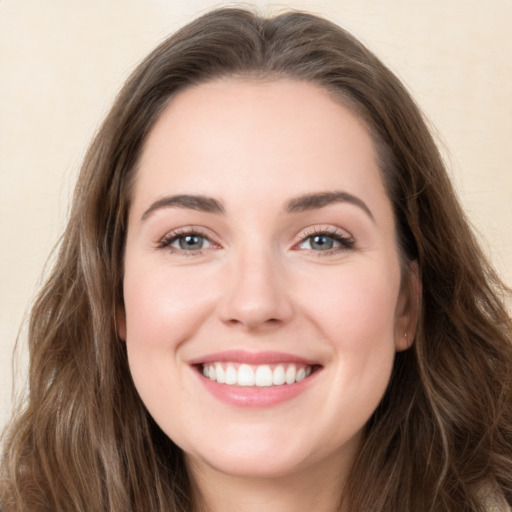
(263, 375)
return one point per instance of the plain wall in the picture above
(62, 62)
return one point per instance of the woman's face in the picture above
(262, 286)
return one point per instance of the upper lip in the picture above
(254, 358)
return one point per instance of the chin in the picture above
(248, 465)
(274, 456)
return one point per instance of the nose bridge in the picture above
(256, 293)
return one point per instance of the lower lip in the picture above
(255, 396)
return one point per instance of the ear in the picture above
(408, 308)
(121, 322)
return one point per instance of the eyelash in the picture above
(167, 241)
(345, 242)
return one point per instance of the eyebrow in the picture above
(296, 205)
(191, 202)
(322, 199)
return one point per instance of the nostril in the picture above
(255, 324)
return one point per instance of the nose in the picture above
(256, 295)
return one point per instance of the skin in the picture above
(258, 284)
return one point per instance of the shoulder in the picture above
(496, 503)
(492, 499)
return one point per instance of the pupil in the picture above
(191, 242)
(322, 242)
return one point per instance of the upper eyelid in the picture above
(345, 238)
(213, 238)
(319, 229)
(186, 230)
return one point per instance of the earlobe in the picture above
(403, 343)
(121, 322)
(408, 309)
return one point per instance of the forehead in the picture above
(233, 135)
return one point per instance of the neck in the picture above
(317, 488)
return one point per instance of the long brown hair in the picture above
(442, 435)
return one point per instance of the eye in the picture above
(326, 241)
(319, 243)
(191, 242)
(186, 242)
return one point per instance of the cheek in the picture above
(163, 306)
(356, 305)
(355, 313)
(357, 316)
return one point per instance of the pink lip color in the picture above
(253, 396)
(242, 356)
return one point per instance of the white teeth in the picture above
(301, 375)
(279, 377)
(263, 376)
(219, 372)
(290, 374)
(257, 375)
(245, 375)
(231, 375)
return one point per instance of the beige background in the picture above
(61, 63)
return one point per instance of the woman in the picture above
(267, 296)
